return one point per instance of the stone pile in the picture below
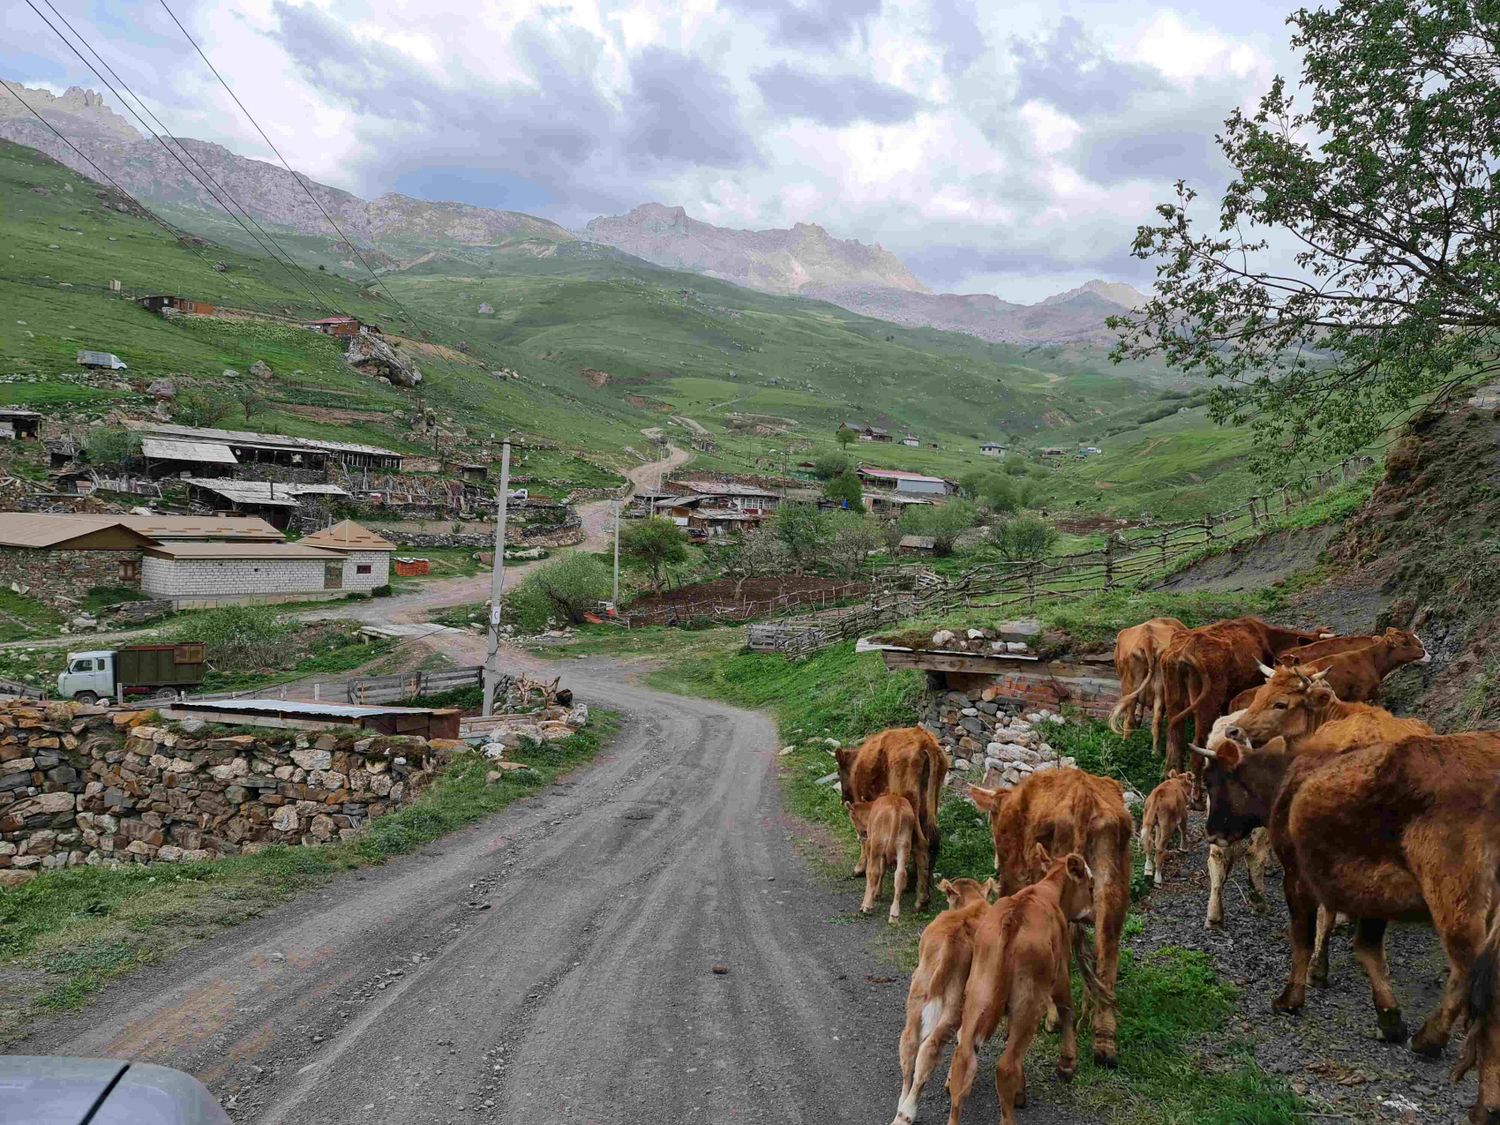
(991, 741)
(982, 641)
(550, 724)
(85, 785)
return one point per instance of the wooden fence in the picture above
(719, 610)
(1127, 558)
(404, 685)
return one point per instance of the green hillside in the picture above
(605, 346)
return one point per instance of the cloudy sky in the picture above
(998, 147)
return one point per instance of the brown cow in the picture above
(1138, 652)
(1165, 813)
(1020, 971)
(888, 833)
(1224, 853)
(1356, 674)
(935, 1001)
(1331, 646)
(906, 761)
(1395, 831)
(1482, 1045)
(1298, 705)
(1067, 810)
(1205, 668)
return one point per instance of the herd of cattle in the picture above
(1373, 818)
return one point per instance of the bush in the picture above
(381, 591)
(653, 545)
(831, 465)
(1024, 539)
(196, 408)
(560, 591)
(846, 488)
(944, 522)
(803, 531)
(109, 447)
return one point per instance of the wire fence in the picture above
(1128, 558)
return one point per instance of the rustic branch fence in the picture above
(1127, 558)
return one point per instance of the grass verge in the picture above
(68, 933)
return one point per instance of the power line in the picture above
(176, 234)
(300, 182)
(288, 265)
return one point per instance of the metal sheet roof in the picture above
(171, 431)
(346, 535)
(726, 488)
(264, 491)
(267, 551)
(67, 532)
(296, 707)
(208, 452)
(163, 528)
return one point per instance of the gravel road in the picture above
(640, 942)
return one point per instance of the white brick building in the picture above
(367, 557)
(197, 575)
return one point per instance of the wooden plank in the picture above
(955, 662)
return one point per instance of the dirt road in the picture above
(588, 987)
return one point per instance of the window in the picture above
(100, 665)
(82, 666)
(130, 570)
(362, 568)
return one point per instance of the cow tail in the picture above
(1117, 716)
(1482, 999)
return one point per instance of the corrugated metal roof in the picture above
(264, 491)
(899, 474)
(44, 529)
(162, 528)
(346, 535)
(295, 707)
(269, 551)
(250, 437)
(207, 452)
(726, 488)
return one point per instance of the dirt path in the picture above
(650, 947)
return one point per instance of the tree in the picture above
(1380, 170)
(754, 554)
(846, 488)
(197, 408)
(562, 590)
(653, 545)
(852, 538)
(1024, 539)
(251, 401)
(803, 531)
(110, 447)
(844, 436)
(944, 522)
(831, 465)
(995, 490)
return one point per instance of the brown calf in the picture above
(888, 834)
(906, 761)
(935, 1001)
(1395, 831)
(1298, 705)
(1138, 652)
(1067, 810)
(1165, 813)
(1020, 971)
(1205, 668)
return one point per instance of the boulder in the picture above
(260, 369)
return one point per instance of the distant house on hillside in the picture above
(913, 484)
(343, 327)
(169, 305)
(912, 442)
(731, 495)
(992, 449)
(1053, 453)
(17, 422)
(866, 433)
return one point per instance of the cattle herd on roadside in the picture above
(1373, 818)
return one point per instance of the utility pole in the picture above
(497, 586)
(615, 604)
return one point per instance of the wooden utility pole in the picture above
(615, 601)
(497, 586)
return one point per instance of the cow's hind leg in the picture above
(1010, 1069)
(1062, 1004)
(1369, 951)
(937, 1020)
(1258, 858)
(1303, 908)
(874, 876)
(1318, 974)
(1220, 864)
(1462, 935)
(898, 882)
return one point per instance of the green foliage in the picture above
(109, 446)
(653, 545)
(851, 540)
(846, 488)
(996, 490)
(803, 530)
(563, 590)
(1379, 165)
(944, 522)
(831, 465)
(200, 408)
(1024, 538)
(844, 437)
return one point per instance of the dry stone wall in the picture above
(84, 785)
(991, 743)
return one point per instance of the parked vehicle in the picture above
(159, 670)
(68, 1091)
(519, 496)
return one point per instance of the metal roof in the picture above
(264, 491)
(270, 551)
(726, 488)
(899, 474)
(249, 437)
(207, 452)
(346, 535)
(295, 707)
(162, 528)
(66, 532)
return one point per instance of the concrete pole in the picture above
(497, 585)
(615, 604)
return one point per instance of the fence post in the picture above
(1254, 519)
(1163, 548)
(1208, 528)
(1109, 561)
(1031, 585)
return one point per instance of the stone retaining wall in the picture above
(83, 785)
(990, 743)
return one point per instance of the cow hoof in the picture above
(1257, 902)
(1428, 1044)
(1288, 1003)
(1392, 1027)
(1318, 976)
(1106, 1057)
(1066, 1069)
(893, 918)
(1213, 923)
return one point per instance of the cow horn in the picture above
(1209, 754)
(1265, 670)
(1319, 677)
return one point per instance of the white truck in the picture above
(161, 670)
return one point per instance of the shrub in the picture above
(846, 488)
(653, 545)
(1024, 539)
(944, 522)
(381, 591)
(563, 590)
(831, 465)
(803, 531)
(110, 447)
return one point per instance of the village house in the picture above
(867, 433)
(19, 424)
(339, 560)
(992, 449)
(892, 504)
(1053, 453)
(273, 501)
(197, 447)
(168, 305)
(911, 484)
(343, 327)
(733, 496)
